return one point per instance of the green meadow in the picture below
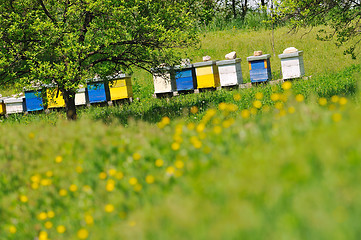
(270, 162)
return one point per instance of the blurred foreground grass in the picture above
(278, 168)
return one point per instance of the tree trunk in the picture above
(69, 98)
(234, 9)
(244, 9)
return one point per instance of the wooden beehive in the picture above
(55, 97)
(163, 79)
(33, 100)
(207, 74)
(292, 65)
(98, 91)
(2, 107)
(14, 105)
(185, 77)
(260, 68)
(120, 87)
(80, 97)
(230, 72)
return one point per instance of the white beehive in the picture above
(230, 72)
(292, 65)
(14, 105)
(164, 81)
(80, 97)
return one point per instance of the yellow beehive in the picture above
(55, 98)
(120, 87)
(2, 107)
(207, 74)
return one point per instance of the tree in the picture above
(66, 42)
(342, 16)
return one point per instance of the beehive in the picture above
(80, 97)
(120, 87)
(230, 72)
(55, 98)
(14, 105)
(207, 74)
(2, 107)
(185, 77)
(164, 81)
(260, 68)
(292, 65)
(33, 100)
(98, 91)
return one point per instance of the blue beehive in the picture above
(185, 77)
(98, 91)
(260, 68)
(33, 100)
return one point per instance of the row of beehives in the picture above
(213, 74)
(96, 91)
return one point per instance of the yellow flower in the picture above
(89, 219)
(137, 187)
(42, 216)
(194, 109)
(102, 175)
(175, 146)
(43, 235)
(259, 95)
(322, 101)
(165, 120)
(49, 173)
(245, 113)
(159, 162)
(35, 178)
(217, 129)
(170, 170)
(45, 182)
(335, 99)
(23, 198)
(58, 159)
(83, 233)
(275, 97)
(48, 224)
(232, 107)
(109, 208)
(79, 169)
(63, 192)
(51, 214)
(227, 123)
(300, 98)
(336, 117)
(149, 179)
(73, 188)
(35, 186)
(87, 188)
(253, 111)
(110, 185)
(279, 105)
(132, 223)
(200, 127)
(133, 181)
(112, 172)
(31, 135)
(60, 229)
(12, 229)
(222, 106)
(136, 156)
(179, 164)
(190, 126)
(197, 144)
(343, 101)
(286, 85)
(291, 110)
(119, 175)
(237, 97)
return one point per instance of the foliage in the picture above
(343, 17)
(151, 181)
(66, 42)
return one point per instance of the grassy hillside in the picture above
(284, 170)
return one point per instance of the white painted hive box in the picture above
(80, 97)
(14, 105)
(230, 72)
(164, 82)
(292, 65)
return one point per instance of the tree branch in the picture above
(47, 13)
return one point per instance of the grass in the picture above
(284, 170)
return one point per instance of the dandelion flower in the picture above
(119, 175)
(259, 95)
(149, 179)
(217, 129)
(175, 146)
(112, 172)
(12, 229)
(159, 162)
(133, 181)
(343, 101)
(42, 216)
(23, 198)
(137, 187)
(136, 156)
(335, 99)
(194, 109)
(49, 173)
(48, 224)
(102, 175)
(63, 192)
(322, 101)
(58, 159)
(286, 85)
(275, 97)
(83, 233)
(73, 188)
(170, 171)
(43, 235)
(237, 97)
(179, 164)
(109, 208)
(291, 110)
(89, 219)
(51, 214)
(60, 229)
(245, 113)
(79, 169)
(336, 117)
(300, 98)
